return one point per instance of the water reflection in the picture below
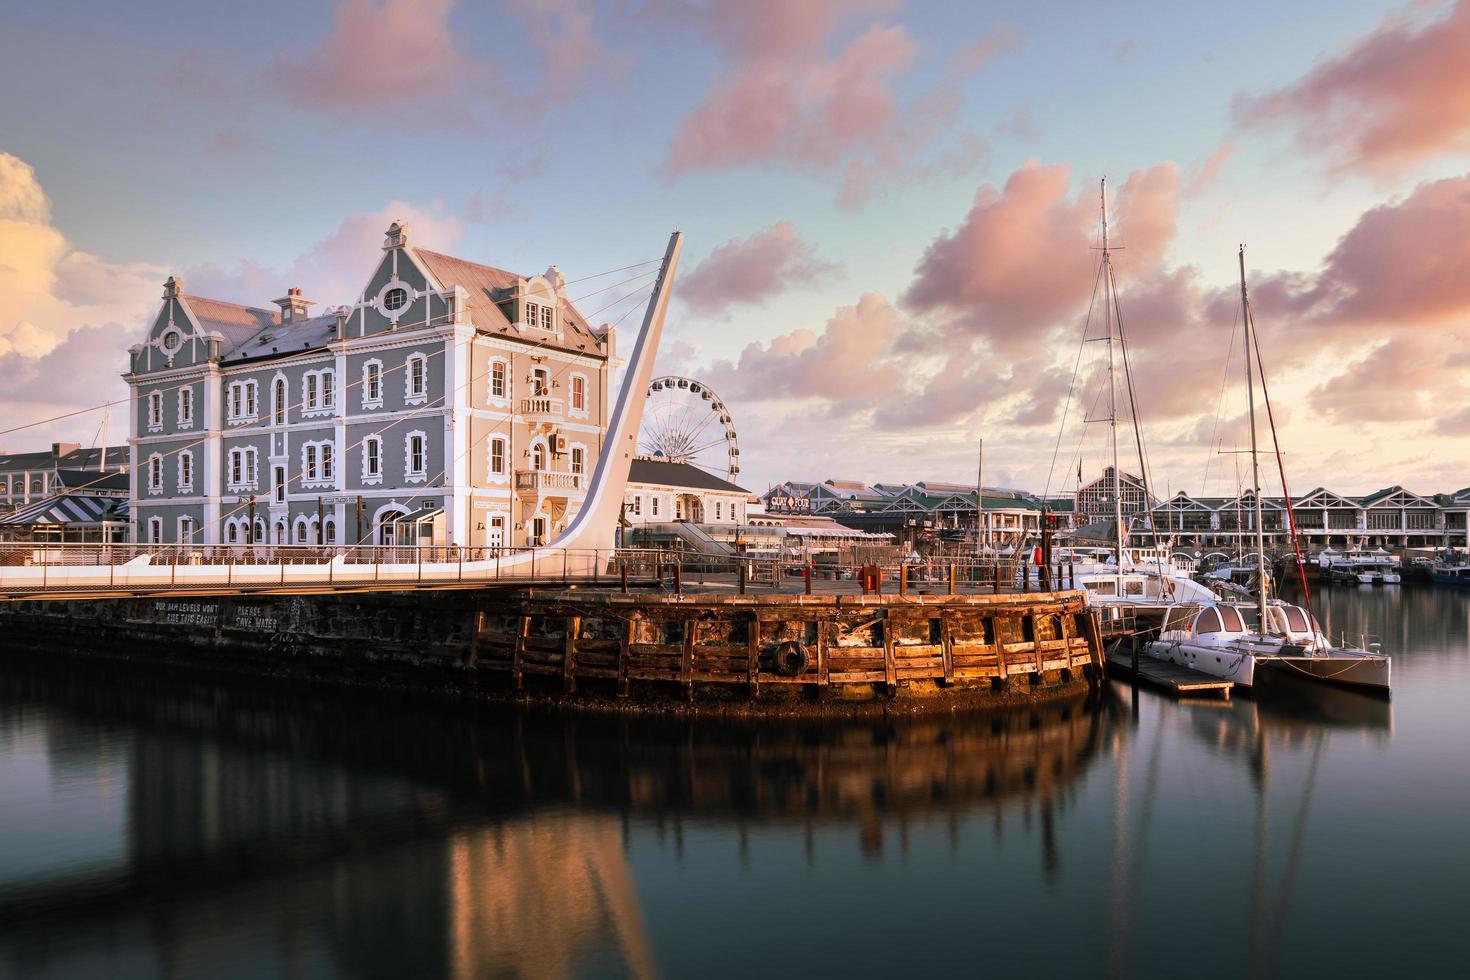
(323, 835)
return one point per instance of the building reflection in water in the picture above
(318, 835)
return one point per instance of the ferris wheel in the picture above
(686, 422)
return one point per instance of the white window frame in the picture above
(319, 463)
(548, 318)
(155, 474)
(155, 530)
(572, 407)
(278, 484)
(502, 474)
(653, 506)
(422, 395)
(242, 404)
(411, 475)
(637, 507)
(186, 471)
(504, 365)
(529, 317)
(318, 392)
(185, 536)
(155, 411)
(572, 464)
(280, 400)
(369, 399)
(186, 407)
(249, 476)
(371, 478)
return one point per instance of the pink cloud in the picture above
(1407, 378)
(335, 269)
(1022, 260)
(407, 52)
(1404, 262)
(752, 270)
(844, 361)
(377, 54)
(784, 97)
(1394, 99)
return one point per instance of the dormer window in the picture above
(395, 299)
(546, 318)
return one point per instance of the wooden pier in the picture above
(1167, 675)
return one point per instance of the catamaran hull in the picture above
(1369, 673)
(1215, 661)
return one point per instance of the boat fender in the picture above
(792, 659)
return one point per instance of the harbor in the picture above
(734, 488)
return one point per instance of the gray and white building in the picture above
(449, 403)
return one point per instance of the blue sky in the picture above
(180, 137)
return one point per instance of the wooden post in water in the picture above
(903, 579)
(808, 578)
(623, 575)
(951, 578)
(678, 578)
(742, 578)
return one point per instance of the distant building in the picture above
(449, 402)
(1094, 501)
(660, 492)
(29, 477)
(86, 506)
(906, 510)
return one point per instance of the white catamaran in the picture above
(1235, 642)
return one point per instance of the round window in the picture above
(395, 299)
(172, 340)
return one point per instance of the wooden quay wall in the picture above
(603, 649)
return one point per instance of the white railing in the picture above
(542, 405)
(541, 481)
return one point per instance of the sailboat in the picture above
(1235, 642)
(1137, 578)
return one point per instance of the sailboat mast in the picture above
(1250, 389)
(1112, 387)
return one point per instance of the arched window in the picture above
(280, 401)
(1208, 622)
(232, 533)
(538, 457)
(280, 532)
(329, 531)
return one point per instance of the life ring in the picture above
(792, 659)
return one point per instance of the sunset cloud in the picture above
(785, 96)
(846, 360)
(1392, 100)
(752, 270)
(1022, 259)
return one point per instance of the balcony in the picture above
(543, 408)
(542, 482)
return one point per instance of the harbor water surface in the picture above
(158, 826)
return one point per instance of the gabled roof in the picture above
(657, 472)
(92, 480)
(291, 337)
(16, 462)
(488, 287)
(1388, 493)
(235, 323)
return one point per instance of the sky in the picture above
(890, 209)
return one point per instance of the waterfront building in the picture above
(1094, 500)
(660, 492)
(908, 510)
(1393, 517)
(86, 506)
(30, 477)
(449, 403)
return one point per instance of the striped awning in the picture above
(69, 508)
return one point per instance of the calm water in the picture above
(171, 828)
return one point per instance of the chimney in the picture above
(397, 236)
(60, 449)
(293, 305)
(173, 287)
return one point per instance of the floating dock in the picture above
(1168, 676)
